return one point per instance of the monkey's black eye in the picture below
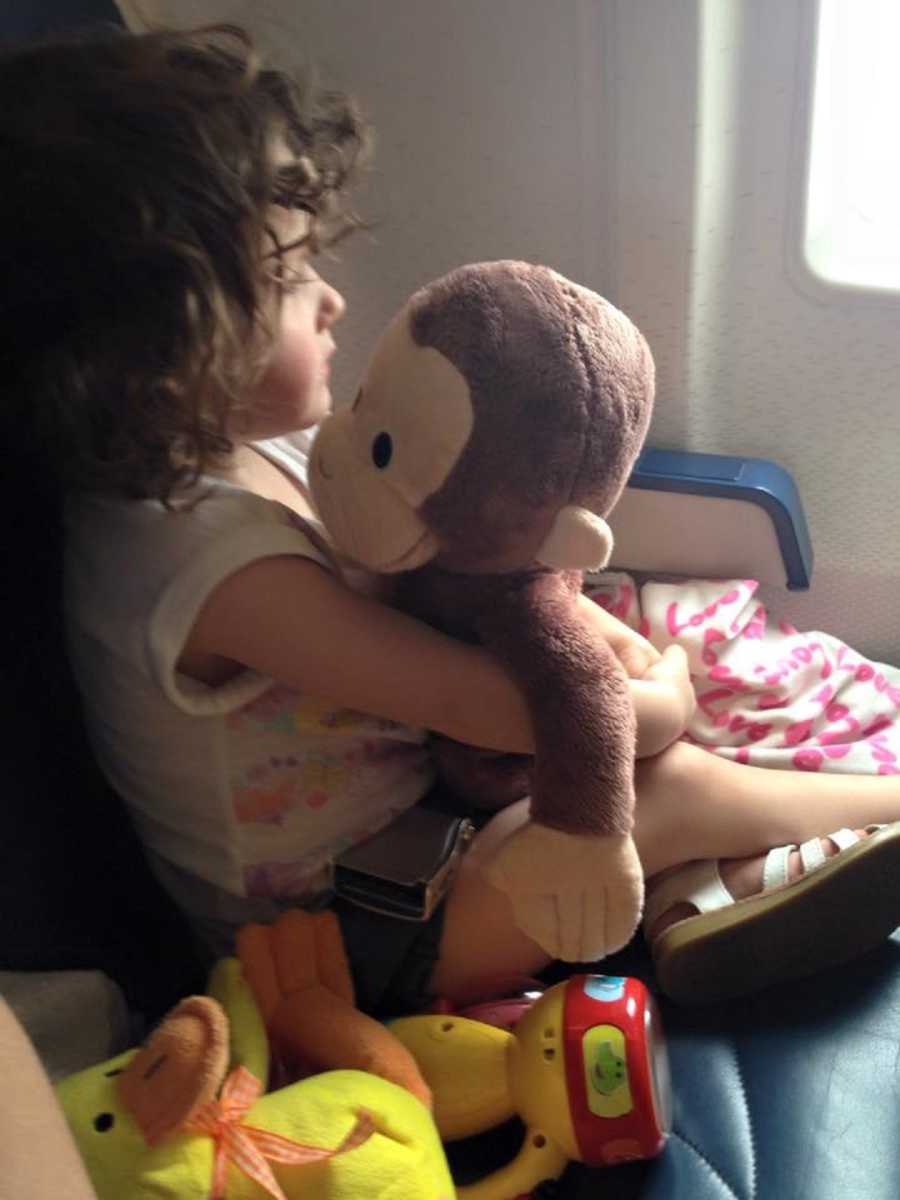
(382, 449)
(104, 1122)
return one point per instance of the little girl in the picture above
(168, 344)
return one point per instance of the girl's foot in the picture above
(742, 877)
(778, 916)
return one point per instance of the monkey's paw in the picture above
(578, 897)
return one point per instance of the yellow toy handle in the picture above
(540, 1158)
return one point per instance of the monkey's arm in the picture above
(578, 698)
(573, 875)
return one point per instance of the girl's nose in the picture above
(331, 306)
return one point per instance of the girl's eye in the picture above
(382, 449)
(292, 281)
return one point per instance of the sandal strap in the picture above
(812, 857)
(697, 883)
(775, 868)
(844, 838)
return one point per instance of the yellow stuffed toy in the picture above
(185, 1118)
(585, 1068)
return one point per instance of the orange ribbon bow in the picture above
(249, 1147)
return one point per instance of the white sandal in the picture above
(838, 908)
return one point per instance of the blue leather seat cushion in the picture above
(790, 1095)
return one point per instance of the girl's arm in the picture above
(290, 619)
(295, 621)
(664, 702)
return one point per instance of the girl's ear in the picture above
(178, 1069)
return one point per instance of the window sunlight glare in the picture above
(853, 203)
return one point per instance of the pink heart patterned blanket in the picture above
(766, 693)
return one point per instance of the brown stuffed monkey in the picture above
(496, 426)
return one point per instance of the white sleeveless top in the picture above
(250, 786)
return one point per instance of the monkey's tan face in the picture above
(373, 465)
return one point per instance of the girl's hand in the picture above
(661, 689)
(664, 702)
(632, 650)
(672, 670)
(637, 657)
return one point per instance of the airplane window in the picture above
(852, 227)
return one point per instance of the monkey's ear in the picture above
(578, 540)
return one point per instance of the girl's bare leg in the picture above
(481, 942)
(690, 805)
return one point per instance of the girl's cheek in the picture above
(290, 373)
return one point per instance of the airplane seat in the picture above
(788, 1095)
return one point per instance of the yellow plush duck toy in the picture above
(185, 1117)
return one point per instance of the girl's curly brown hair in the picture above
(139, 174)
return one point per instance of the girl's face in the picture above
(293, 391)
